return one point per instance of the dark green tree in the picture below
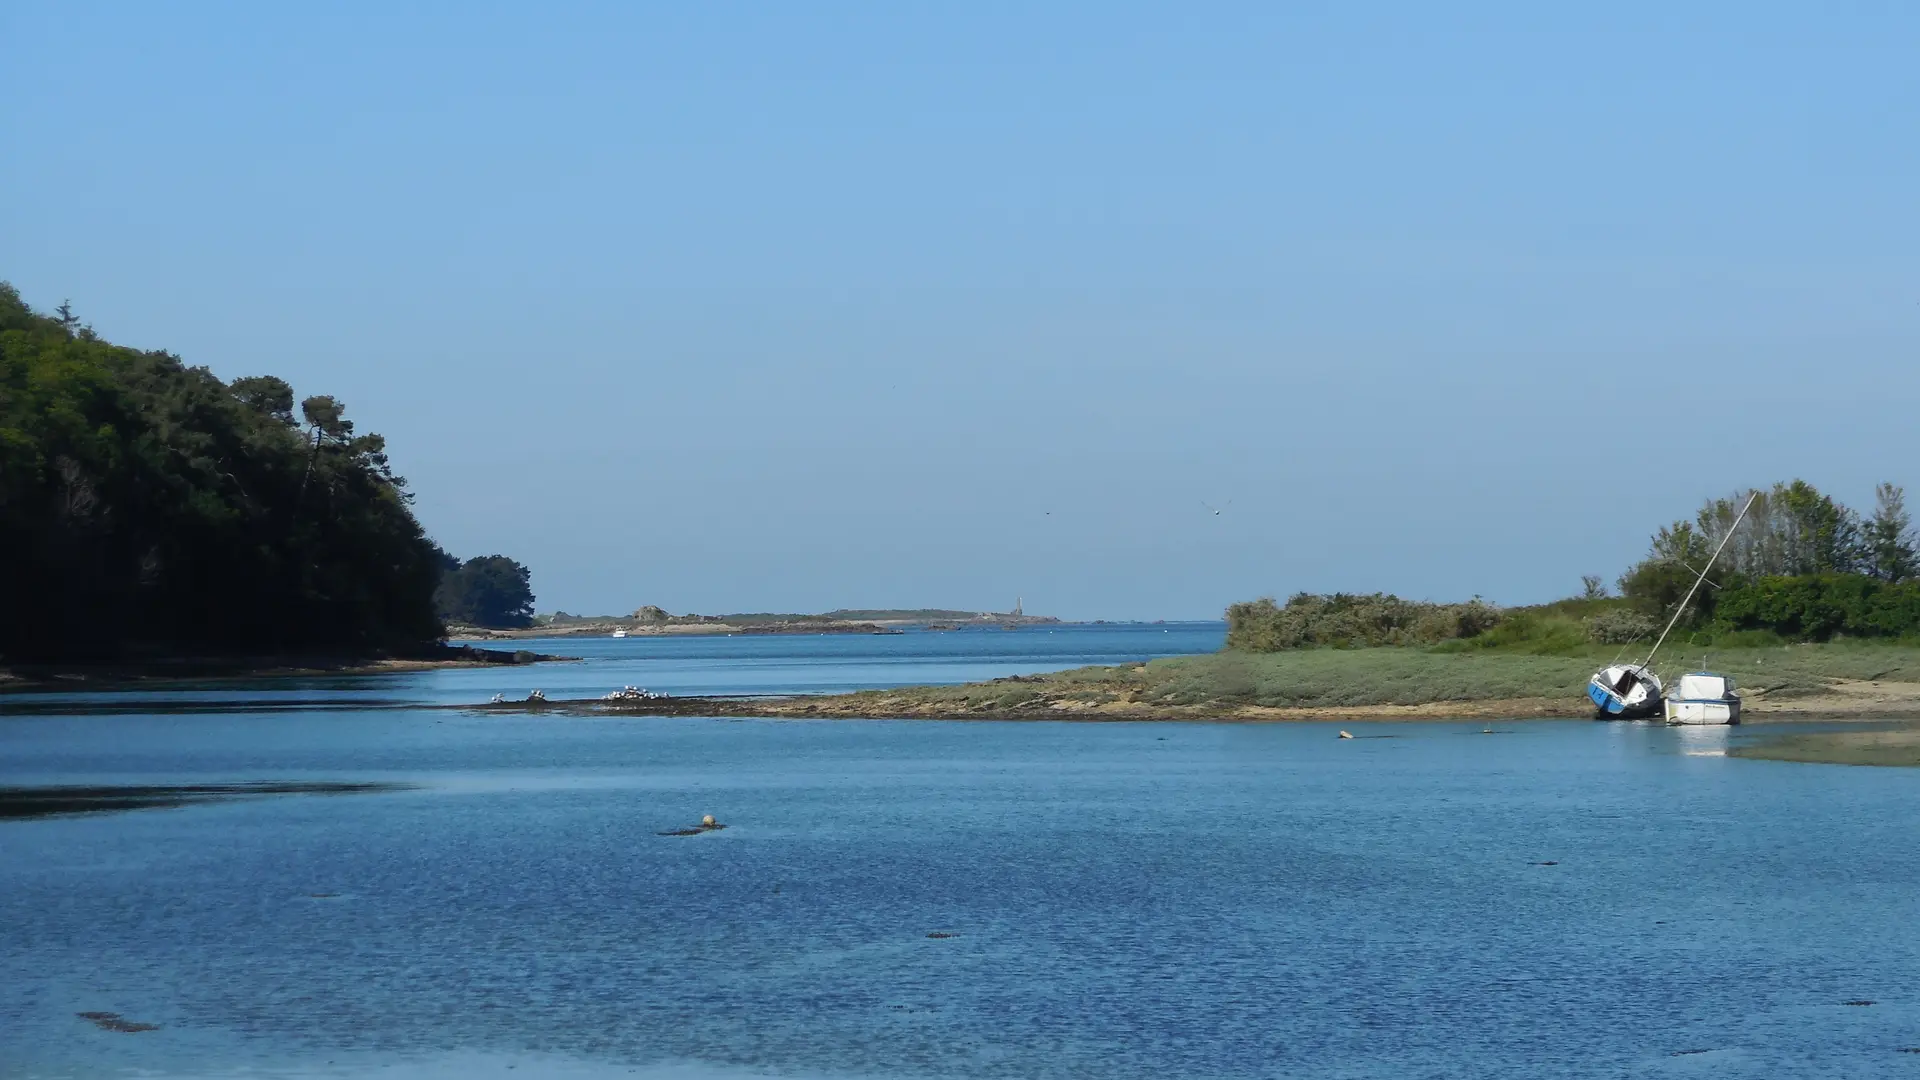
(265, 394)
(491, 590)
(1675, 557)
(148, 508)
(1888, 536)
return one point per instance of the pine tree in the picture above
(1889, 537)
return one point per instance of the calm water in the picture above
(1127, 900)
(744, 664)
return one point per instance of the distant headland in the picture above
(652, 621)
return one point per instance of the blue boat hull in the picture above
(1609, 705)
(1604, 701)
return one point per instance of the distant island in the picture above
(654, 621)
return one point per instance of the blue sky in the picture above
(729, 307)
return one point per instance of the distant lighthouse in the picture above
(1016, 607)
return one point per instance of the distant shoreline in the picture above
(878, 622)
(474, 633)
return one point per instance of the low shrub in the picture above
(1343, 620)
(1620, 626)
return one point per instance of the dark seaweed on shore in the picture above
(36, 802)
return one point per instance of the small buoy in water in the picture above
(707, 821)
(1346, 734)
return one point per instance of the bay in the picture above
(1104, 900)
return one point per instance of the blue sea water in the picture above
(721, 664)
(1124, 900)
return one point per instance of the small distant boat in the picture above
(1703, 697)
(1633, 691)
(622, 632)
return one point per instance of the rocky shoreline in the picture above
(992, 703)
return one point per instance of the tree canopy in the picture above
(148, 507)
(491, 591)
(1794, 533)
(1800, 567)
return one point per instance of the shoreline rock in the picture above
(906, 704)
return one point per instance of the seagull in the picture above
(1223, 506)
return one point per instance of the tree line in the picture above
(148, 508)
(1800, 566)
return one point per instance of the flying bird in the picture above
(1223, 506)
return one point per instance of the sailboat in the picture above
(1633, 691)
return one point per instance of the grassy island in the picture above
(1799, 682)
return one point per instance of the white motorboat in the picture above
(1702, 697)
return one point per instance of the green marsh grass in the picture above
(1392, 675)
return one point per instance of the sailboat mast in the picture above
(1677, 612)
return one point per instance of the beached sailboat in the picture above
(1633, 691)
(1625, 692)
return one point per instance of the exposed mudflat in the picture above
(1896, 746)
(1843, 700)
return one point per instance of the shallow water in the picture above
(1126, 900)
(681, 666)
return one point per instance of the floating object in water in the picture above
(620, 632)
(1858, 1001)
(943, 934)
(707, 825)
(107, 1021)
(1549, 862)
(1702, 697)
(1346, 734)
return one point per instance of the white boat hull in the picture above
(1707, 712)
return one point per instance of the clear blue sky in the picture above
(795, 306)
